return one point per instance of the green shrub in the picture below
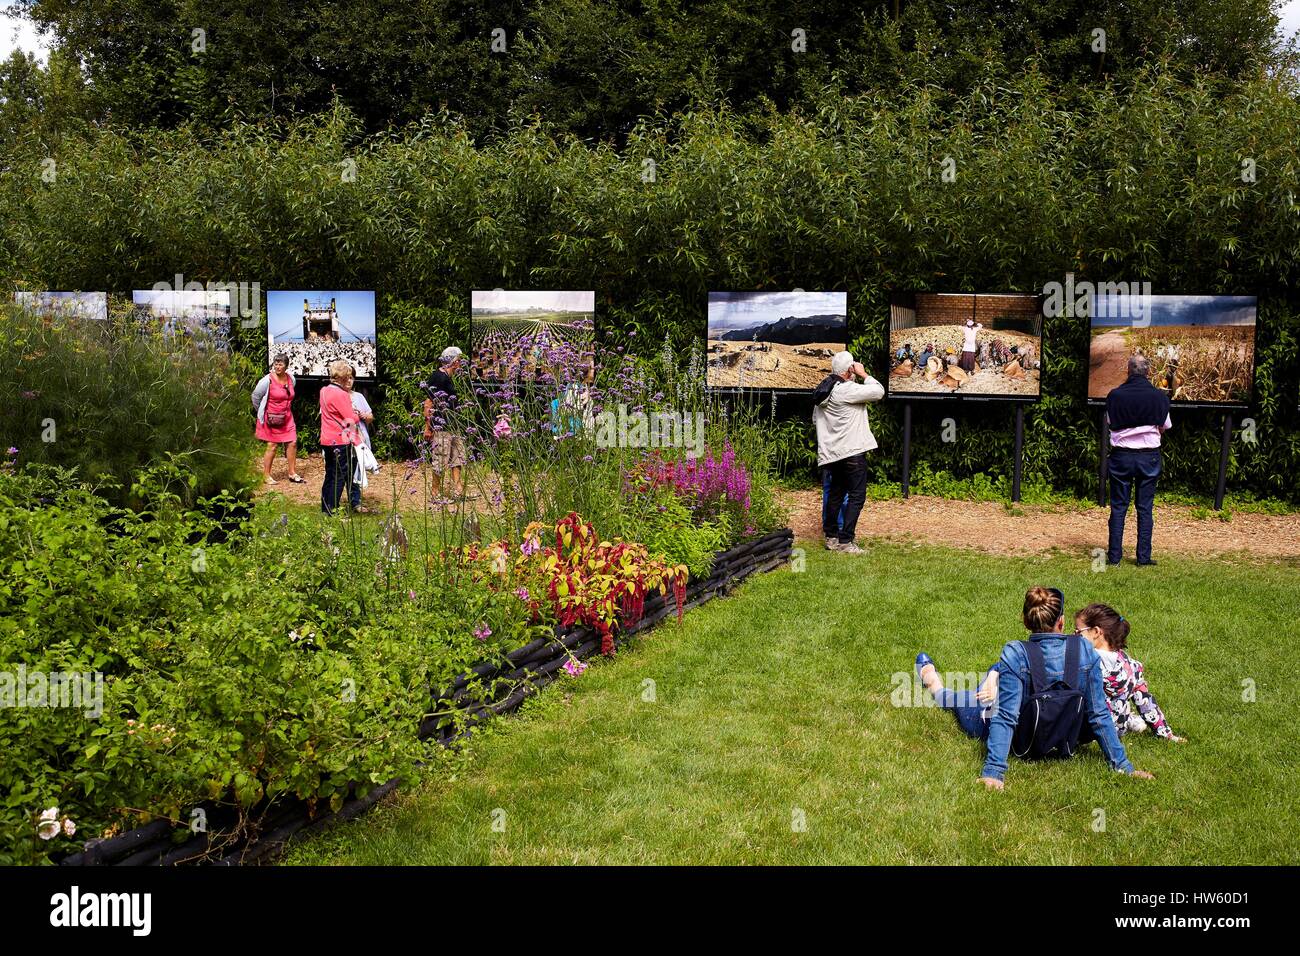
(106, 400)
(292, 658)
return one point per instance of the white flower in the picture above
(47, 826)
(69, 828)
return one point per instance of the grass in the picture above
(776, 702)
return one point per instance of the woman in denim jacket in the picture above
(1044, 617)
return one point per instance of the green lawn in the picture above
(777, 700)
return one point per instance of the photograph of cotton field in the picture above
(929, 334)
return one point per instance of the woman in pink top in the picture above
(339, 435)
(273, 402)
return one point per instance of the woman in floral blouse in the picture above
(1131, 705)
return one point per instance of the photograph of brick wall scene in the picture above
(774, 339)
(522, 336)
(65, 305)
(943, 343)
(1201, 348)
(315, 328)
(199, 316)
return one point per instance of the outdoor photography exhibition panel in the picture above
(774, 340)
(1201, 348)
(965, 345)
(317, 327)
(526, 336)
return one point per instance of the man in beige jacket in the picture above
(843, 440)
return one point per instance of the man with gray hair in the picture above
(1137, 414)
(843, 440)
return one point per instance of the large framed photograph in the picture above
(973, 345)
(1201, 348)
(525, 336)
(778, 341)
(316, 327)
(199, 316)
(65, 305)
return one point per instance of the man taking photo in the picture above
(843, 440)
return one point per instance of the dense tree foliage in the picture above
(594, 67)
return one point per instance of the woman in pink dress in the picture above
(273, 399)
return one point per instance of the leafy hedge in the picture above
(1139, 183)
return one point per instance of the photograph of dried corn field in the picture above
(958, 344)
(777, 340)
(533, 336)
(1201, 348)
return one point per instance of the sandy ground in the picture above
(1035, 529)
(768, 364)
(394, 483)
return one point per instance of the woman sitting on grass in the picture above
(1122, 676)
(1008, 682)
(1123, 679)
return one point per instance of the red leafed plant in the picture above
(600, 584)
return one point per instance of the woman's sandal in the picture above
(298, 479)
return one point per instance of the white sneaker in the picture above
(850, 548)
(832, 544)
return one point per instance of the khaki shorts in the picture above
(446, 451)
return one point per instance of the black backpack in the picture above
(1051, 717)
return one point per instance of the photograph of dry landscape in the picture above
(779, 340)
(930, 331)
(1201, 347)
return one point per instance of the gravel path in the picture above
(1037, 529)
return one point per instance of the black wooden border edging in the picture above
(526, 670)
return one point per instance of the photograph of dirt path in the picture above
(1201, 348)
(774, 339)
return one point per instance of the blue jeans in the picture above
(339, 462)
(1133, 475)
(970, 713)
(829, 515)
(849, 485)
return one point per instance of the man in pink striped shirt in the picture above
(1138, 416)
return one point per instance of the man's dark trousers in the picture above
(848, 477)
(1133, 474)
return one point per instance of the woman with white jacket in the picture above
(273, 400)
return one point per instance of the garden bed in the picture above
(232, 840)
